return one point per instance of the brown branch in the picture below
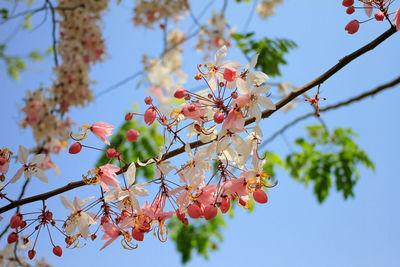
(335, 106)
(343, 62)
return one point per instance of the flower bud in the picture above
(182, 217)
(180, 93)
(104, 220)
(352, 26)
(210, 212)
(16, 221)
(225, 204)
(347, 3)
(379, 16)
(194, 211)
(75, 148)
(57, 251)
(31, 254)
(198, 76)
(132, 135)
(128, 116)
(260, 196)
(148, 100)
(350, 10)
(219, 117)
(2, 161)
(150, 115)
(111, 153)
(12, 237)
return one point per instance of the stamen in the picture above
(80, 136)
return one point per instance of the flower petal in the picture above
(23, 155)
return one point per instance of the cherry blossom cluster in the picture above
(80, 44)
(195, 189)
(380, 7)
(214, 34)
(147, 13)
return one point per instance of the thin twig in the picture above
(335, 106)
(53, 20)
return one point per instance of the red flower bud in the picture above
(75, 148)
(194, 211)
(31, 254)
(16, 221)
(132, 135)
(225, 204)
(260, 196)
(348, 3)
(219, 117)
(12, 237)
(150, 115)
(57, 251)
(350, 10)
(111, 153)
(180, 93)
(210, 212)
(148, 100)
(352, 26)
(198, 76)
(128, 116)
(379, 16)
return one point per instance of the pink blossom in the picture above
(3, 165)
(234, 120)
(156, 210)
(350, 10)
(352, 26)
(150, 115)
(219, 117)
(101, 130)
(193, 111)
(260, 196)
(397, 19)
(237, 188)
(230, 74)
(108, 176)
(110, 232)
(16, 221)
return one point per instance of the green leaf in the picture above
(35, 56)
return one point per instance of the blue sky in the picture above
(292, 229)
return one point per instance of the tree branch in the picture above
(335, 106)
(342, 62)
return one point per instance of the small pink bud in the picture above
(182, 217)
(180, 93)
(2, 161)
(75, 148)
(57, 251)
(137, 234)
(210, 212)
(348, 3)
(31, 254)
(128, 116)
(148, 100)
(379, 16)
(219, 117)
(225, 204)
(132, 135)
(198, 76)
(194, 211)
(12, 237)
(352, 26)
(16, 221)
(150, 115)
(230, 74)
(350, 10)
(260, 196)
(111, 153)
(104, 220)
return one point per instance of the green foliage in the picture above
(240, 1)
(35, 56)
(326, 159)
(27, 22)
(271, 52)
(200, 235)
(4, 13)
(14, 66)
(145, 147)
